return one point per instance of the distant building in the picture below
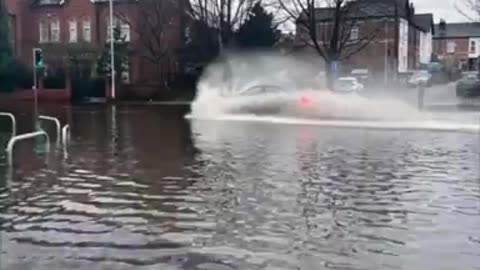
(425, 30)
(63, 28)
(403, 41)
(457, 45)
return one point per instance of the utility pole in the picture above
(386, 52)
(112, 53)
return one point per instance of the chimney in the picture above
(443, 25)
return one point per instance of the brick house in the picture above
(402, 40)
(457, 45)
(67, 28)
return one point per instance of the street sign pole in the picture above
(37, 63)
(34, 65)
(112, 53)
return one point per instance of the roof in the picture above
(458, 30)
(368, 8)
(424, 22)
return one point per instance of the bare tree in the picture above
(225, 16)
(470, 9)
(326, 26)
(156, 26)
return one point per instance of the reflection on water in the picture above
(142, 188)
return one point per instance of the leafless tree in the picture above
(223, 15)
(155, 25)
(329, 30)
(470, 9)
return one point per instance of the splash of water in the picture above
(278, 85)
(272, 88)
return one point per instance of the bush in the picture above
(56, 80)
(15, 75)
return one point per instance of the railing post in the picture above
(15, 139)
(57, 124)
(14, 122)
(66, 134)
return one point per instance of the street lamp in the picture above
(112, 52)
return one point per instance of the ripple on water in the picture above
(279, 198)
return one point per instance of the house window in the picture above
(43, 27)
(472, 46)
(354, 33)
(125, 72)
(122, 25)
(55, 31)
(125, 31)
(87, 31)
(72, 28)
(451, 46)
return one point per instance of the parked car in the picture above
(420, 77)
(348, 85)
(468, 86)
(360, 74)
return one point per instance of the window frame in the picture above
(55, 28)
(451, 46)
(72, 25)
(87, 24)
(44, 31)
(355, 29)
(125, 29)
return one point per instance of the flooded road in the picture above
(143, 188)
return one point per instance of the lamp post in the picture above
(112, 52)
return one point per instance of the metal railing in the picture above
(15, 139)
(65, 135)
(14, 122)
(57, 125)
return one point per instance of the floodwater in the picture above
(141, 187)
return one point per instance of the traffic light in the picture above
(38, 58)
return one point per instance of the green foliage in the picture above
(15, 75)
(259, 30)
(55, 80)
(201, 47)
(121, 52)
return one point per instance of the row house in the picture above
(402, 39)
(80, 29)
(457, 45)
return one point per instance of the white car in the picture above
(420, 77)
(348, 85)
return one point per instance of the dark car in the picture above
(468, 86)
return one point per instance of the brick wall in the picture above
(29, 16)
(451, 59)
(382, 49)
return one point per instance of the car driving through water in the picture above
(420, 78)
(468, 86)
(348, 85)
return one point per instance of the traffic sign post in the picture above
(38, 63)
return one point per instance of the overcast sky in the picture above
(442, 9)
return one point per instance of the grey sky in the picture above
(442, 9)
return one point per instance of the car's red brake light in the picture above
(306, 101)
